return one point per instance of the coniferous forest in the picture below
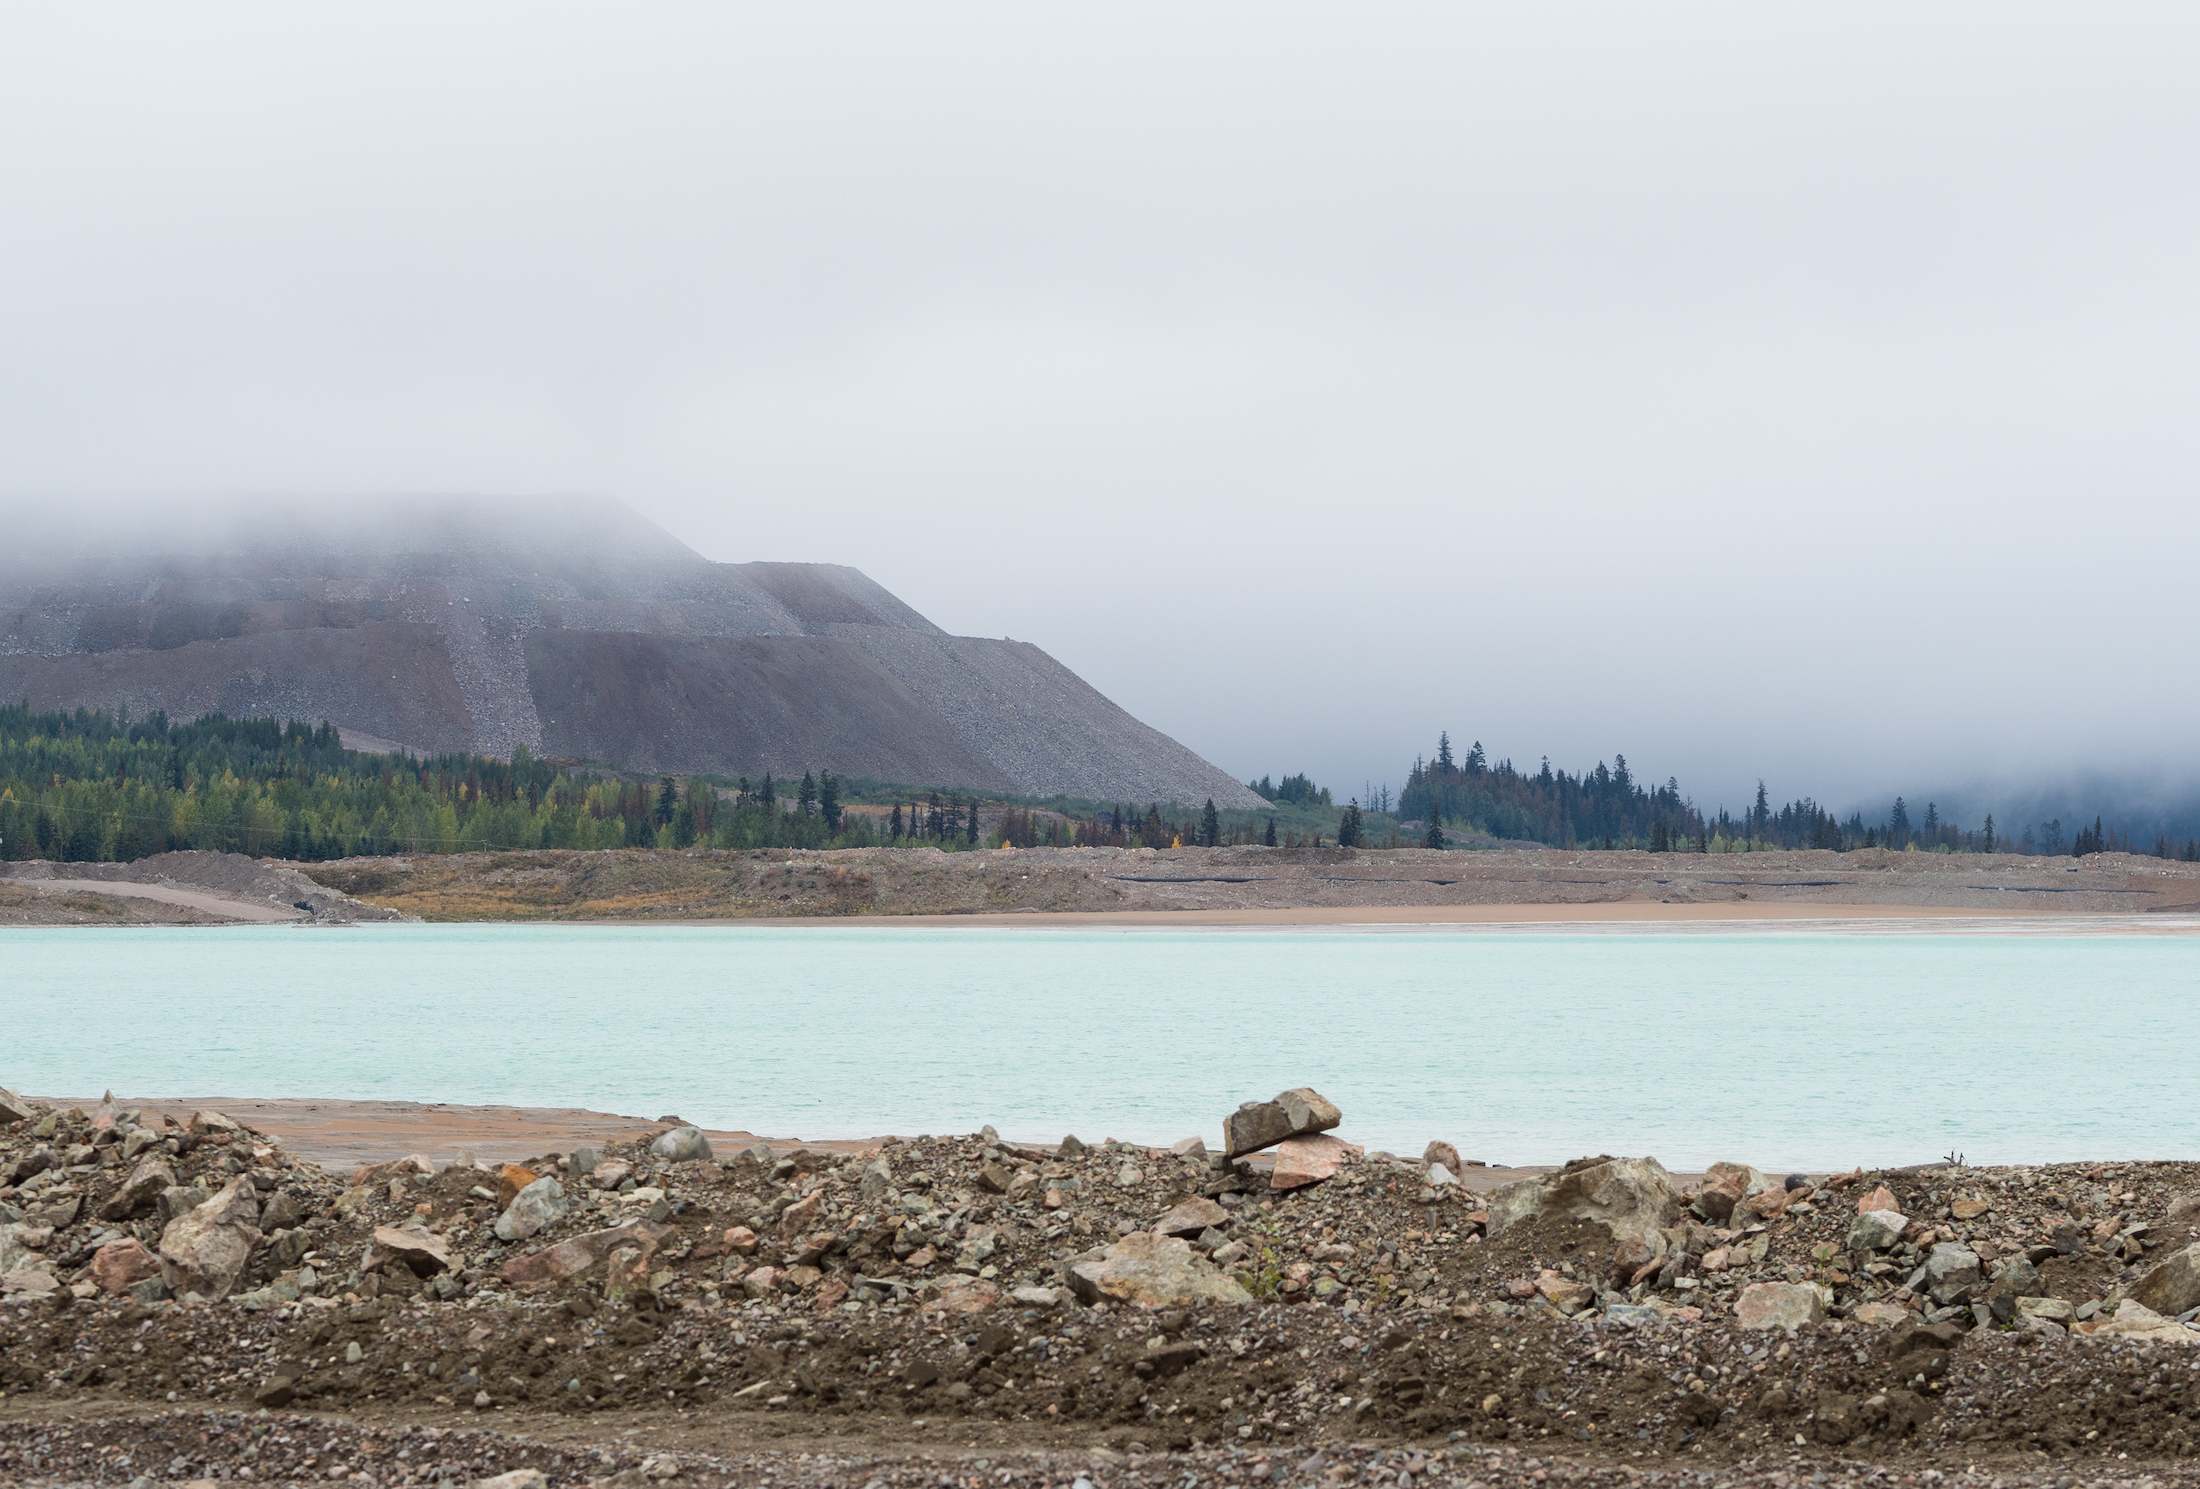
(88, 786)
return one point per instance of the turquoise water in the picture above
(1784, 1049)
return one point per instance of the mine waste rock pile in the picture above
(1286, 1290)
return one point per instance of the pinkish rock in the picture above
(1563, 1293)
(1308, 1159)
(1717, 1259)
(1881, 1198)
(626, 1274)
(960, 1294)
(921, 1258)
(831, 1293)
(371, 1174)
(118, 1264)
(1770, 1205)
(741, 1240)
(611, 1173)
(1725, 1185)
(572, 1257)
(759, 1283)
(1444, 1153)
(1191, 1216)
(801, 1213)
(1778, 1305)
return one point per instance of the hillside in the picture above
(578, 631)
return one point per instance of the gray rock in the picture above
(539, 1205)
(177, 1201)
(2173, 1285)
(1037, 1297)
(13, 1108)
(583, 1161)
(1876, 1230)
(1633, 1316)
(206, 1249)
(1634, 1197)
(2021, 1278)
(1070, 1148)
(142, 1188)
(878, 1177)
(1439, 1176)
(1194, 1148)
(2054, 1310)
(151, 1290)
(681, 1145)
(282, 1212)
(1443, 1153)
(1263, 1124)
(1950, 1270)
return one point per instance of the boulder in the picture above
(31, 1282)
(206, 1249)
(2134, 1320)
(1876, 1230)
(2054, 1310)
(119, 1264)
(1193, 1148)
(1886, 1315)
(2173, 1284)
(2022, 1278)
(1191, 1216)
(610, 1173)
(1153, 1271)
(538, 1206)
(1778, 1305)
(1440, 1177)
(13, 1108)
(626, 1274)
(681, 1145)
(1444, 1153)
(1309, 1159)
(205, 1123)
(140, 1190)
(1632, 1197)
(571, 1258)
(371, 1174)
(20, 1245)
(511, 1179)
(282, 1212)
(1263, 1124)
(801, 1213)
(425, 1252)
(1951, 1269)
(1726, 1185)
(1881, 1198)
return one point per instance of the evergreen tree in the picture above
(1151, 834)
(1268, 839)
(805, 796)
(1989, 832)
(668, 801)
(767, 796)
(1477, 762)
(1435, 838)
(1932, 822)
(970, 828)
(893, 828)
(1898, 824)
(1443, 750)
(1348, 828)
(828, 800)
(1210, 825)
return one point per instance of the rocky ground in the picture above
(700, 884)
(180, 1299)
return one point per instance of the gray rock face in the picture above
(1633, 1197)
(539, 1205)
(1263, 1124)
(206, 1250)
(2173, 1285)
(1876, 1230)
(1949, 1270)
(681, 1145)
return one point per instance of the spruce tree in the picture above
(828, 800)
(805, 796)
(1268, 839)
(668, 801)
(767, 796)
(1435, 838)
(970, 828)
(893, 828)
(1210, 825)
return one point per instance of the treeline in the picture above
(1608, 808)
(91, 787)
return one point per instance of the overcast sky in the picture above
(1805, 391)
